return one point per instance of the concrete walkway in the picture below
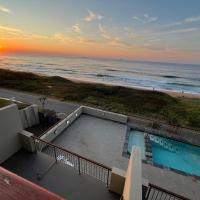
(56, 105)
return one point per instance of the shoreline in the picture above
(169, 92)
(167, 106)
(172, 93)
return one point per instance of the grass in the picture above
(4, 103)
(152, 104)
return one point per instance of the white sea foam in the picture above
(158, 76)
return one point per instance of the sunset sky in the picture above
(153, 30)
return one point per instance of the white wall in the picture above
(27, 141)
(65, 123)
(58, 129)
(105, 114)
(133, 182)
(29, 116)
(10, 126)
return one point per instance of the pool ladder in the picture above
(148, 148)
(166, 145)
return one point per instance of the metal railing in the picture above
(164, 124)
(76, 161)
(157, 193)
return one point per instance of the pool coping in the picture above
(127, 155)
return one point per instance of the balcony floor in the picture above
(60, 179)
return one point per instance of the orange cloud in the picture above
(14, 40)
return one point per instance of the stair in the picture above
(148, 148)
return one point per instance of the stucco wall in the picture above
(29, 116)
(10, 126)
(27, 141)
(117, 180)
(57, 130)
(65, 123)
(105, 114)
(181, 134)
(133, 182)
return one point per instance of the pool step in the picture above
(148, 148)
(164, 143)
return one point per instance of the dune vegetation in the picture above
(152, 104)
(4, 102)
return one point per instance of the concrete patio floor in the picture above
(172, 181)
(60, 179)
(97, 139)
(103, 140)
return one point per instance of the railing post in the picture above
(148, 193)
(34, 143)
(79, 166)
(54, 149)
(108, 176)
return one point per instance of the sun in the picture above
(1, 48)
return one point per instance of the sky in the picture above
(154, 30)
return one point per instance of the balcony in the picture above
(84, 136)
(57, 177)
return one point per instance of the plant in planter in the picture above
(48, 117)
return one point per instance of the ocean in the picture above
(149, 75)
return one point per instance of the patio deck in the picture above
(180, 184)
(103, 140)
(60, 179)
(97, 139)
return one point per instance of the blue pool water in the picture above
(170, 153)
(136, 139)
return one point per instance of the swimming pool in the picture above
(136, 139)
(169, 153)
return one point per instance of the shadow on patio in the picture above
(60, 178)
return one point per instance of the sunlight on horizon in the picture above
(132, 30)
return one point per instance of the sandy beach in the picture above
(184, 94)
(171, 93)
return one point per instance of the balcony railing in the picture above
(157, 193)
(76, 161)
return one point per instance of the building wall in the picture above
(29, 116)
(164, 130)
(61, 126)
(10, 126)
(133, 182)
(105, 114)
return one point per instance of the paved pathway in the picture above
(58, 106)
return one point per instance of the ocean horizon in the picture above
(138, 74)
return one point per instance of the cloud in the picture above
(149, 19)
(186, 30)
(10, 29)
(109, 39)
(92, 16)
(14, 33)
(4, 9)
(76, 28)
(73, 39)
(104, 32)
(178, 23)
(145, 19)
(185, 21)
(192, 19)
(154, 47)
(62, 37)
(160, 35)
